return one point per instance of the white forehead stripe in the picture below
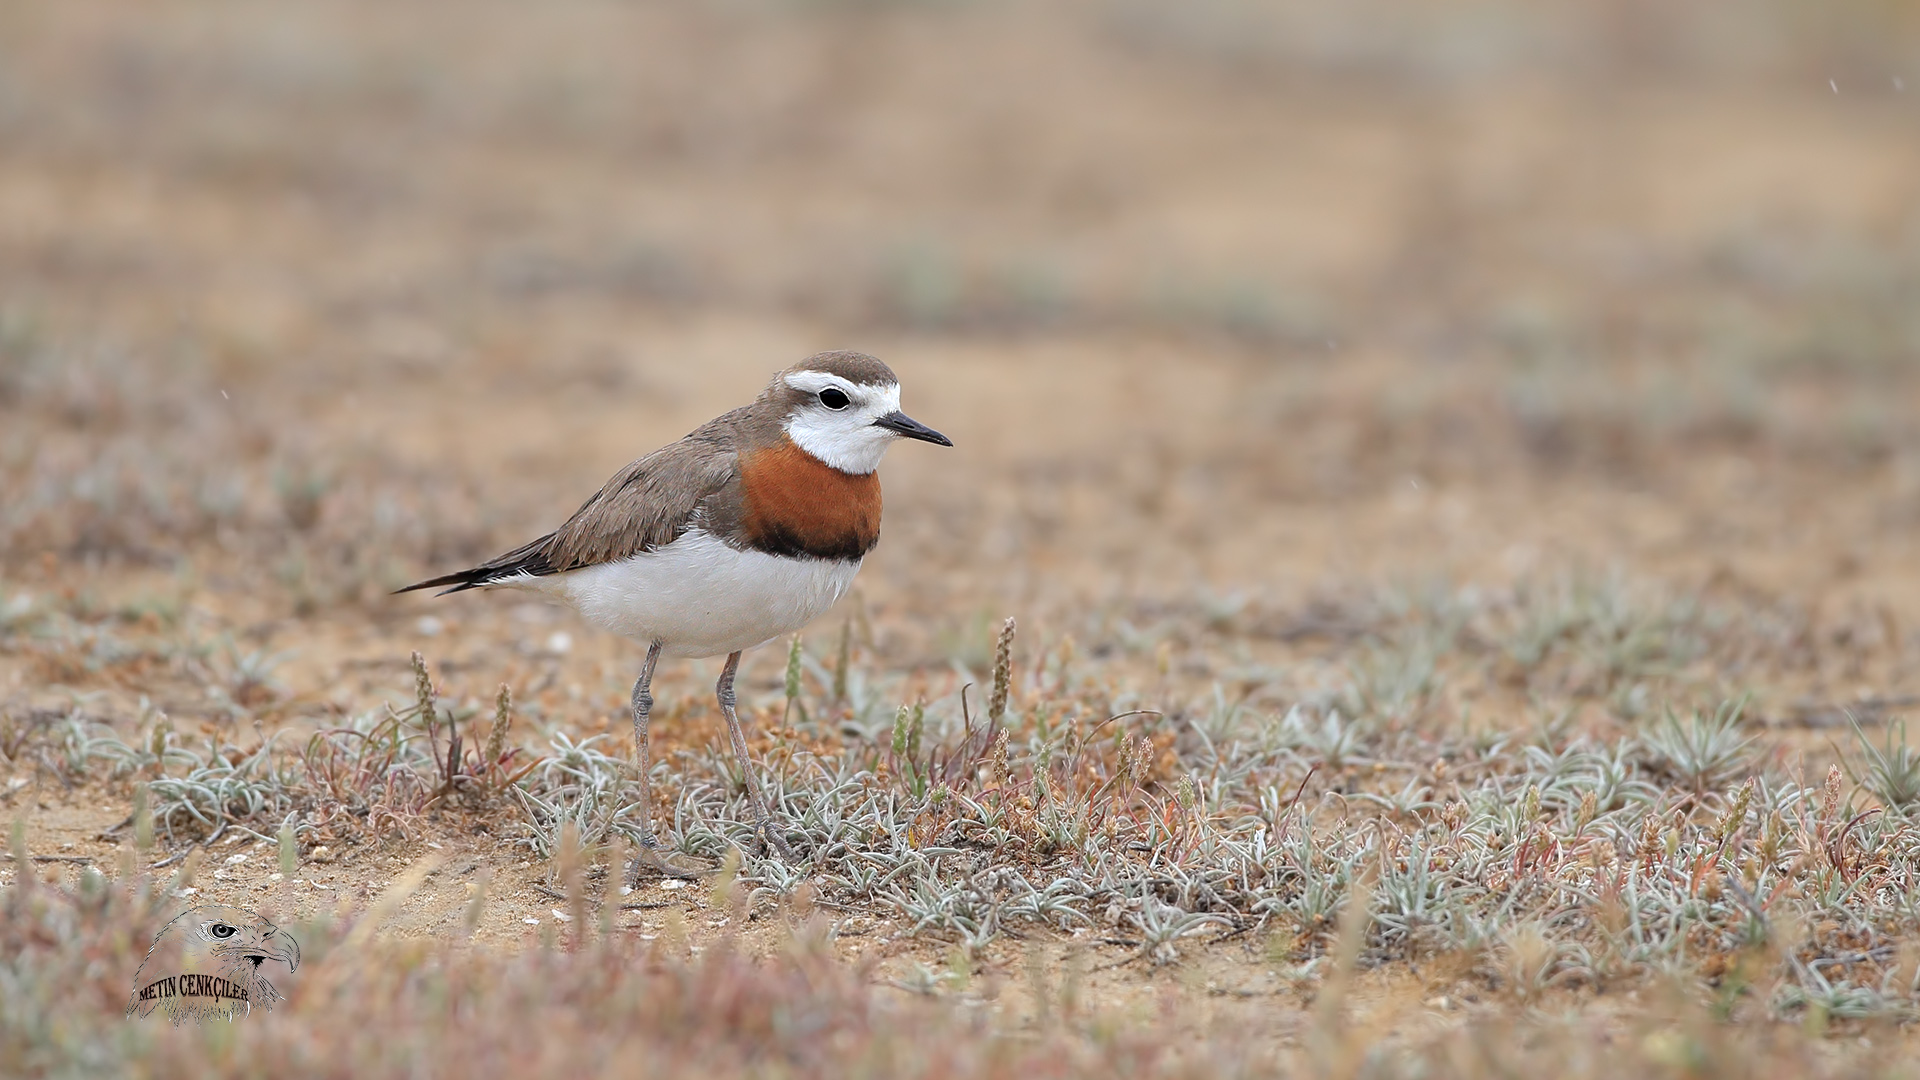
(812, 382)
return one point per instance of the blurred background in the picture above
(1244, 314)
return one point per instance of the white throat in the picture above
(845, 439)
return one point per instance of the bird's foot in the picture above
(649, 857)
(769, 837)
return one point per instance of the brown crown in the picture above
(855, 367)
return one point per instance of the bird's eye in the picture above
(222, 930)
(833, 399)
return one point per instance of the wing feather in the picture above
(644, 506)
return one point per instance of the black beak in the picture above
(906, 426)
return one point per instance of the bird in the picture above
(747, 529)
(205, 965)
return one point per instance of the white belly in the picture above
(699, 597)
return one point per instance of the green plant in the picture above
(1893, 773)
(1704, 751)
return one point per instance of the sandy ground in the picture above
(1214, 331)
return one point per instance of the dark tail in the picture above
(460, 581)
(531, 559)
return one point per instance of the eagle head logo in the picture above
(207, 964)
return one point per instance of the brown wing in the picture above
(646, 505)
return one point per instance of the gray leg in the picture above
(764, 823)
(642, 711)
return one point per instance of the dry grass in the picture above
(1453, 471)
(370, 1009)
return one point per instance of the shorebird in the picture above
(749, 528)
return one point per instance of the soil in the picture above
(1207, 335)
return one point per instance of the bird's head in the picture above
(844, 409)
(206, 963)
(217, 936)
